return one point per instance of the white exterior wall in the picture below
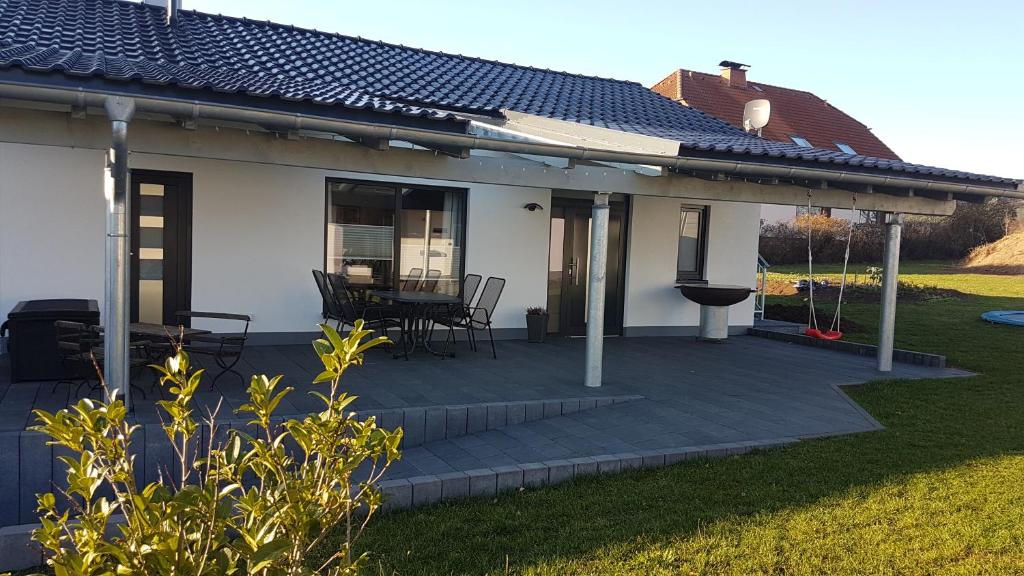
(257, 232)
(51, 224)
(653, 304)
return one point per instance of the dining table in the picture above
(417, 310)
(151, 330)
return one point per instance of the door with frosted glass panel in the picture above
(161, 267)
(568, 263)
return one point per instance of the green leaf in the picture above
(266, 554)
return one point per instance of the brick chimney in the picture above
(734, 73)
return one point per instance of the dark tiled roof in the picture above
(127, 41)
(794, 112)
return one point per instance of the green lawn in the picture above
(939, 491)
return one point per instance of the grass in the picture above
(937, 492)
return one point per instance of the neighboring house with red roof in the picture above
(797, 117)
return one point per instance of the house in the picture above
(159, 159)
(235, 156)
(797, 117)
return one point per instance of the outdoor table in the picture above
(160, 334)
(162, 331)
(416, 308)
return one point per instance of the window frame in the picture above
(398, 186)
(797, 139)
(849, 149)
(702, 240)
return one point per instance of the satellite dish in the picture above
(755, 115)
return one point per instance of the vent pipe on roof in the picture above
(734, 73)
(172, 7)
(172, 11)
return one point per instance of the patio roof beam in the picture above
(378, 144)
(460, 152)
(236, 144)
(742, 167)
(855, 188)
(970, 198)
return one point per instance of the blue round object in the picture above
(1011, 317)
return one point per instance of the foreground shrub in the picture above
(249, 504)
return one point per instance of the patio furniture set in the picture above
(416, 309)
(71, 351)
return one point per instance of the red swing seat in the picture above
(823, 334)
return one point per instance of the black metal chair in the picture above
(412, 281)
(80, 349)
(459, 312)
(430, 280)
(340, 287)
(469, 287)
(340, 306)
(330, 310)
(478, 317)
(225, 349)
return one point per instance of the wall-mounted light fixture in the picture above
(533, 207)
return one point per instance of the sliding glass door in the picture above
(421, 248)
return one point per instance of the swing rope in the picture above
(846, 261)
(833, 332)
(812, 318)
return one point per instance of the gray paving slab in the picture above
(717, 398)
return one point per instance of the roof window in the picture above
(844, 147)
(801, 141)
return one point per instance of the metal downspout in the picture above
(890, 277)
(116, 285)
(595, 289)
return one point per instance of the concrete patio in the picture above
(475, 425)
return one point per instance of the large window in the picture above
(374, 249)
(692, 240)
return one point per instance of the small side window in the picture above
(692, 241)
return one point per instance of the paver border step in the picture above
(488, 482)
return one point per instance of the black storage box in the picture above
(33, 339)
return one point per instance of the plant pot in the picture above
(536, 327)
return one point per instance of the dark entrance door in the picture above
(569, 261)
(161, 265)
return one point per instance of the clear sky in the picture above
(939, 81)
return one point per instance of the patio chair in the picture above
(339, 287)
(430, 281)
(226, 350)
(412, 281)
(478, 317)
(330, 310)
(469, 288)
(375, 317)
(80, 349)
(77, 347)
(458, 312)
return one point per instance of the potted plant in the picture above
(536, 323)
